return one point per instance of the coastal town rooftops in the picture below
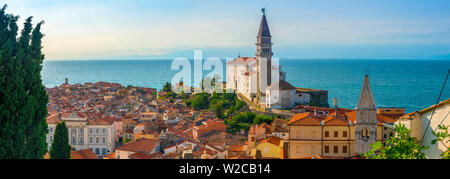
(344, 118)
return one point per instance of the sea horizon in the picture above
(139, 59)
(395, 82)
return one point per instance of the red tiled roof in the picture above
(53, 119)
(110, 156)
(332, 120)
(305, 119)
(273, 140)
(77, 114)
(83, 154)
(141, 145)
(236, 148)
(139, 155)
(308, 119)
(96, 119)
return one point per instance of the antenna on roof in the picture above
(239, 55)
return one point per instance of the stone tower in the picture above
(264, 56)
(366, 119)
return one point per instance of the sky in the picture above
(166, 29)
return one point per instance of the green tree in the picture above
(444, 137)
(126, 140)
(60, 146)
(400, 146)
(260, 119)
(167, 87)
(171, 94)
(218, 109)
(23, 98)
(200, 101)
(184, 95)
(240, 121)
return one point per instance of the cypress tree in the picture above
(22, 96)
(60, 148)
(38, 129)
(12, 96)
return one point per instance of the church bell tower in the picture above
(366, 119)
(264, 56)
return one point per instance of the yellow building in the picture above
(271, 147)
(143, 135)
(338, 133)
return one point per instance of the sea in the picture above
(412, 84)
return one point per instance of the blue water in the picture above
(413, 84)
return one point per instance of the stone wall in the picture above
(319, 98)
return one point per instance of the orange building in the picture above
(208, 127)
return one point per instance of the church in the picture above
(262, 82)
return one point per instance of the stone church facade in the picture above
(263, 82)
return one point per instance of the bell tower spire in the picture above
(264, 56)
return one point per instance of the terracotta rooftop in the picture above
(305, 119)
(53, 119)
(83, 154)
(141, 145)
(272, 140)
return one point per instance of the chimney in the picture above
(335, 104)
